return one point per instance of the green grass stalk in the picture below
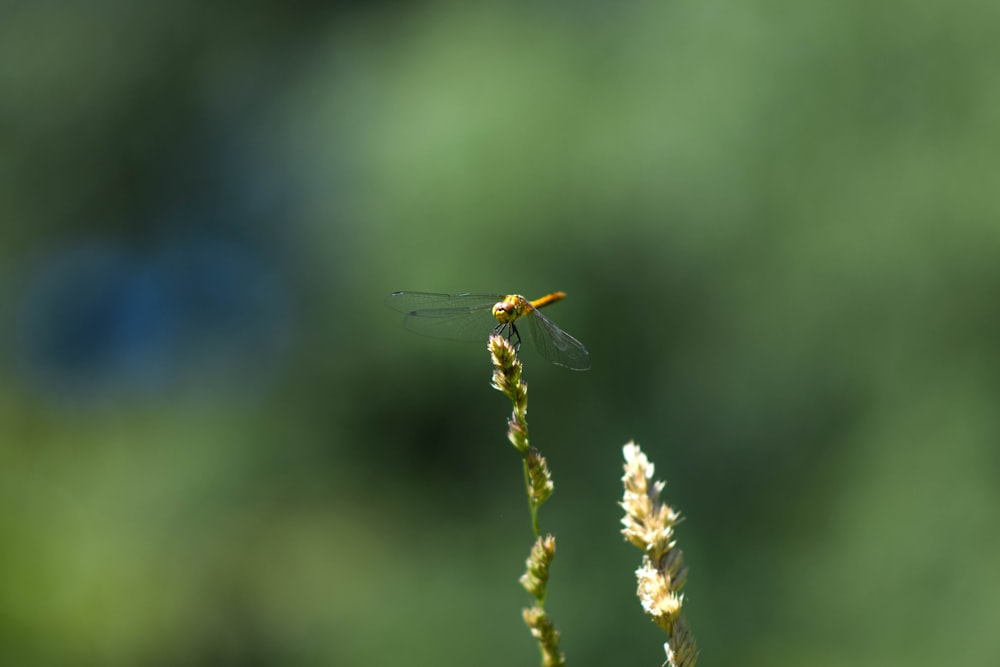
(649, 525)
(538, 484)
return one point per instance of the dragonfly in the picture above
(470, 317)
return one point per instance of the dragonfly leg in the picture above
(514, 334)
(510, 332)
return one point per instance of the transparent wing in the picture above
(553, 343)
(463, 316)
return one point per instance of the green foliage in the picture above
(778, 228)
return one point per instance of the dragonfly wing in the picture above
(407, 302)
(555, 344)
(464, 316)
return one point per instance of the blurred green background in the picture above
(777, 224)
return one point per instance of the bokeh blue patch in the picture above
(105, 319)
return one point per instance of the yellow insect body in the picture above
(465, 317)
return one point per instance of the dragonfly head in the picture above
(505, 311)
